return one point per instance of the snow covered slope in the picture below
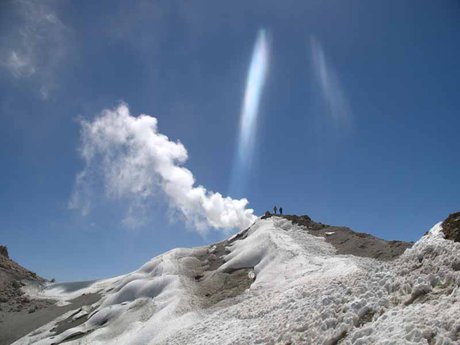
(274, 283)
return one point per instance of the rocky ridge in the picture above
(12, 277)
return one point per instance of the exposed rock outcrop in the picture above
(13, 302)
(4, 251)
(12, 278)
(451, 227)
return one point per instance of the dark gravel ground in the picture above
(15, 325)
(347, 241)
(213, 286)
(12, 278)
(19, 314)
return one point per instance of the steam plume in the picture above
(136, 161)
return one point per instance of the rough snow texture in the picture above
(303, 293)
(282, 253)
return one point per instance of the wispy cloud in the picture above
(137, 163)
(256, 77)
(334, 97)
(35, 45)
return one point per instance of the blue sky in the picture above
(370, 142)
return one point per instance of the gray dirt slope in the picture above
(347, 241)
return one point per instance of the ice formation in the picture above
(301, 293)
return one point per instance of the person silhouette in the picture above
(281, 210)
(275, 209)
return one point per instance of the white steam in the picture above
(135, 161)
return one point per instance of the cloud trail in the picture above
(36, 43)
(255, 82)
(136, 162)
(335, 99)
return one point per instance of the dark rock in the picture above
(456, 265)
(4, 251)
(266, 215)
(451, 227)
(305, 221)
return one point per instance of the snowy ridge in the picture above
(281, 257)
(301, 292)
(146, 304)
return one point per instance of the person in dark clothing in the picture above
(275, 209)
(281, 210)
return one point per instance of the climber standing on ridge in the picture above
(281, 211)
(275, 209)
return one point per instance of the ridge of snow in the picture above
(303, 293)
(435, 233)
(281, 257)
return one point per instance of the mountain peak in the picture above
(284, 280)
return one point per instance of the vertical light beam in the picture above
(249, 112)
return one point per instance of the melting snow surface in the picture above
(303, 293)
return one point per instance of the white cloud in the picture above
(136, 163)
(34, 47)
(334, 97)
(19, 65)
